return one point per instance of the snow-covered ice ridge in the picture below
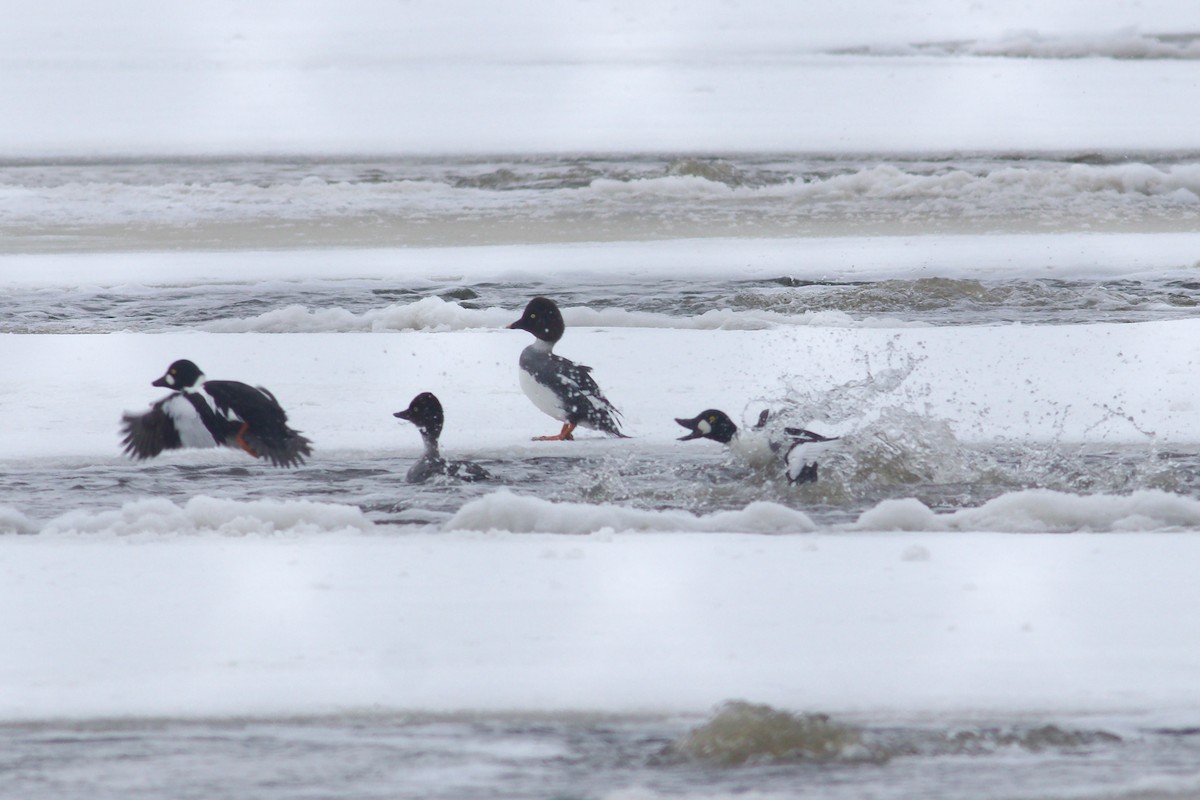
(1034, 511)
(1083, 255)
(1031, 511)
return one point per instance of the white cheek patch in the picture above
(704, 427)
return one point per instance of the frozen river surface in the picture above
(962, 241)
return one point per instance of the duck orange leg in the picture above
(563, 436)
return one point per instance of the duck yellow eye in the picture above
(712, 420)
(173, 372)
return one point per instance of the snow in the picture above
(220, 625)
(588, 107)
(238, 607)
(533, 76)
(1065, 255)
(1018, 383)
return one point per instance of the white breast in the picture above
(542, 397)
(192, 432)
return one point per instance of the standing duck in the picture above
(556, 385)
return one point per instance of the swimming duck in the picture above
(425, 411)
(756, 448)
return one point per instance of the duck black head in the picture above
(425, 411)
(543, 319)
(183, 374)
(710, 424)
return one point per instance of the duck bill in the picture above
(161, 382)
(693, 426)
(405, 415)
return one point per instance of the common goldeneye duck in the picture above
(425, 411)
(557, 386)
(756, 447)
(204, 413)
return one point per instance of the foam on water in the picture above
(442, 306)
(749, 191)
(436, 314)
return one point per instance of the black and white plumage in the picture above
(204, 413)
(756, 448)
(556, 385)
(425, 411)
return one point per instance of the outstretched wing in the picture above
(147, 435)
(264, 431)
(178, 420)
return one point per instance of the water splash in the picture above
(748, 734)
(743, 734)
(883, 441)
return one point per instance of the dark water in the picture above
(930, 301)
(867, 470)
(743, 750)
